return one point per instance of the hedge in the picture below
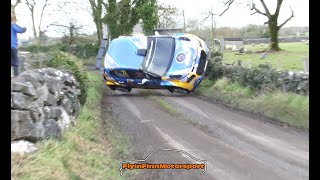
(83, 51)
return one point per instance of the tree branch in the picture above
(209, 14)
(30, 6)
(229, 2)
(204, 19)
(257, 10)
(265, 7)
(17, 2)
(41, 16)
(67, 26)
(292, 15)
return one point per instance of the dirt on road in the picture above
(236, 145)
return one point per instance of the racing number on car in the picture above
(124, 72)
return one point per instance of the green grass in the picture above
(90, 61)
(288, 59)
(175, 113)
(84, 152)
(164, 105)
(285, 107)
(205, 84)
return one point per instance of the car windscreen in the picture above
(160, 54)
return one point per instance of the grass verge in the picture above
(164, 105)
(289, 108)
(84, 152)
(176, 113)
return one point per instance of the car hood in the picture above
(178, 67)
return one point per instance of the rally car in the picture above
(176, 63)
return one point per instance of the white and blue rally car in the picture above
(176, 62)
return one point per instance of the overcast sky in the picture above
(237, 16)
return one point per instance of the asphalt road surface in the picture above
(236, 145)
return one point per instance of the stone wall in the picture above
(262, 77)
(294, 81)
(44, 102)
(280, 39)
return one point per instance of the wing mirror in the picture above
(142, 52)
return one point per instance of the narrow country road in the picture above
(236, 145)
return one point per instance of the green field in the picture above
(289, 59)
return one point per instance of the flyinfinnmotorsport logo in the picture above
(140, 164)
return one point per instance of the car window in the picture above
(159, 56)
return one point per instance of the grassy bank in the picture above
(86, 151)
(289, 108)
(288, 59)
(173, 111)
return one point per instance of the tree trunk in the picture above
(99, 30)
(34, 26)
(274, 29)
(13, 11)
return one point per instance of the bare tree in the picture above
(38, 32)
(70, 32)
(13, 7)
(31, 5)
(272, 19)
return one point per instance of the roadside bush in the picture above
(216, 54)
(64, 61)
(214, 71)
(83, 51)
(35, 48)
